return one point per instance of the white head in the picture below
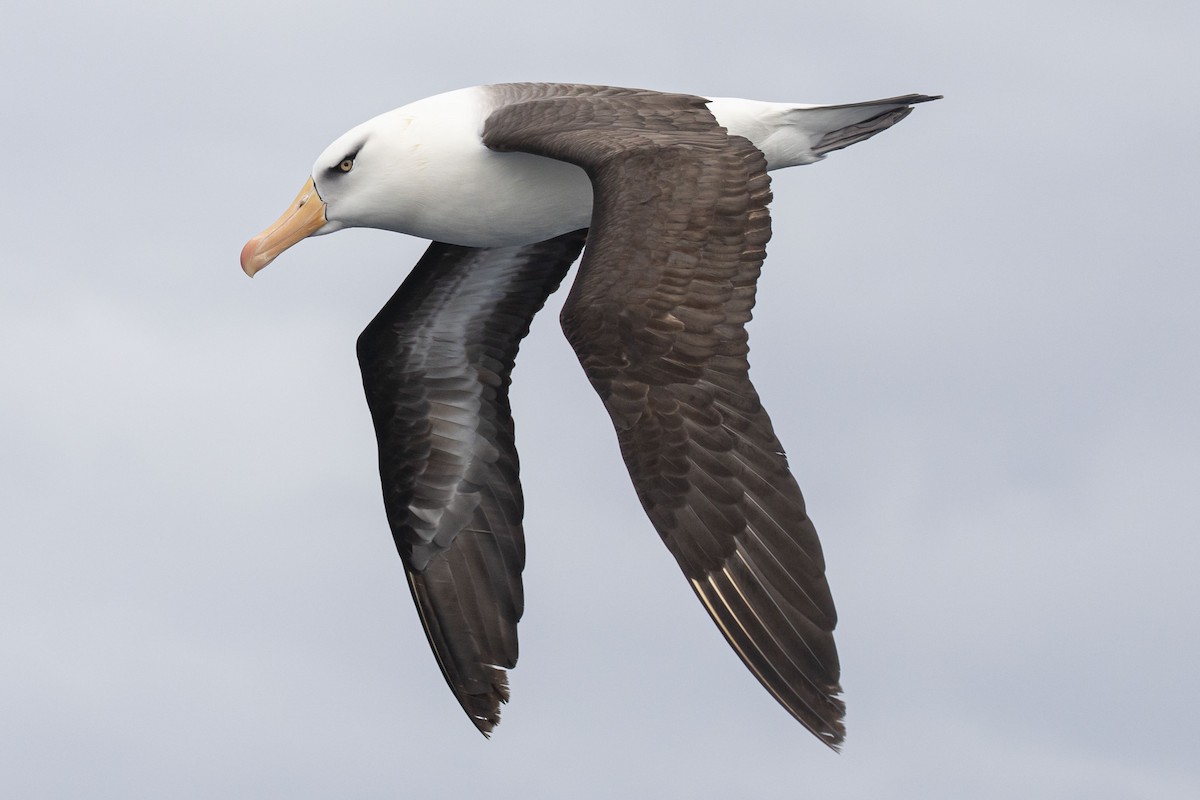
(423, 170)
(357, 182)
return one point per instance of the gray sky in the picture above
(976, 334)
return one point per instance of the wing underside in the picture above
(436, 362)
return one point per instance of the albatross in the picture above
(666, 196)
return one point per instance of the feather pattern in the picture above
(657, 318)
(436, 362)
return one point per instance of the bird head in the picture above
(355, 183)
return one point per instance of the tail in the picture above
(808, 133)
(835, 127)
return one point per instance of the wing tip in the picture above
(832, 733)
(481, 695)
(483, 709)
(816, 704)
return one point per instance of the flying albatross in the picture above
(669, 192)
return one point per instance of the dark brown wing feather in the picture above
(436, 363)
(657, 317)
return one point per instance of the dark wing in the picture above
(436, 363)
(657, 317)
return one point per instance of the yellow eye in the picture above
(346, 165)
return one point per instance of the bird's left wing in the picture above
(435, 363)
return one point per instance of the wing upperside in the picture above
(657, 318)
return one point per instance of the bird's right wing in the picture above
(435, 363)
(657, 317)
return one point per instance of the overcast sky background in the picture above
(976, 334)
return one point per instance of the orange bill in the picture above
(305, 216)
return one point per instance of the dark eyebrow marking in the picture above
(351, 156)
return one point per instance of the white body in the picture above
(422, 169)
